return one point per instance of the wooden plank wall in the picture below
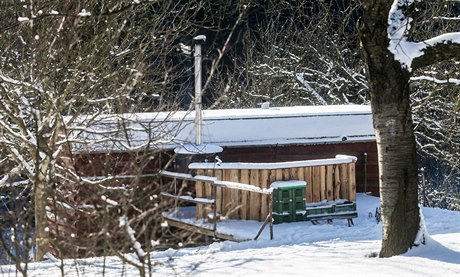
(326, 182)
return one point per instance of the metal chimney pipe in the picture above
(198, 105)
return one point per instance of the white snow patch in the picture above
(339, 159)
(84, 13)
(192, 148)
(298, 249)
(290, 183)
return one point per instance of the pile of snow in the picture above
(298, 249)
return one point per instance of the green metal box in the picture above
(279, 218)
(296, 194)
(326, 209)
(345, 207)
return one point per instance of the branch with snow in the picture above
(130, 232)
(436, 80)
(414, 55)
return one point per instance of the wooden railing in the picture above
(210, 201)
(327, 179)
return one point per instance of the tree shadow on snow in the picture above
(434, 250)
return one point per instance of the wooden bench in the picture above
(330, 210)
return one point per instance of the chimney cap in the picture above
(200, 38)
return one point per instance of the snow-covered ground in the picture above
(298, 249)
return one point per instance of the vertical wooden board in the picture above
(255, 198)
(265, 179)
(245, 200)
(208, 190)
(345, 184)
(226, 197)
(322, 180)
(309, 179)
(301, 176)
(207, 186)
(278, 173)
(300, 171)
(352, 182)
(218, 175)
(235, 195)
(199, 192)
(286, 174)
(330, 182)
(337, 182)
(293, 173)
(316, 184)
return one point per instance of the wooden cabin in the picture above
(279, 134)
(331, 148)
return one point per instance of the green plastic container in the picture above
(282, 207)
(296, 194)
(288, 201)
(345, 207)
(288, 217)
(319, 210)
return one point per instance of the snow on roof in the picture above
(228, 127)
(193, 148)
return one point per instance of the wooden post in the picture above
(278, 174)
(309, 179)
(365, 172)
(345, 193)
(316, 184)
(351, 182)
(301, 176)
(219, 195)
(199, 192)
(226, 197)
(270, 214)
(208, 191)
(214, 208)
(286, 175)
(322, 182)
(337, 182)
(294, 173)
(265, 181)
(245, 199)
(235, 196)
(254, 198)
(330, 182)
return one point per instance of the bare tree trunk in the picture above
(389, 91)
(41, 219)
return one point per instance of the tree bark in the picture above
(389, 92)
(41, 218)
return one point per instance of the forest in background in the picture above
(95, 57)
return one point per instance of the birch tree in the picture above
(392, 54)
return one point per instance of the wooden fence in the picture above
(327, 179)
(211, 202)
